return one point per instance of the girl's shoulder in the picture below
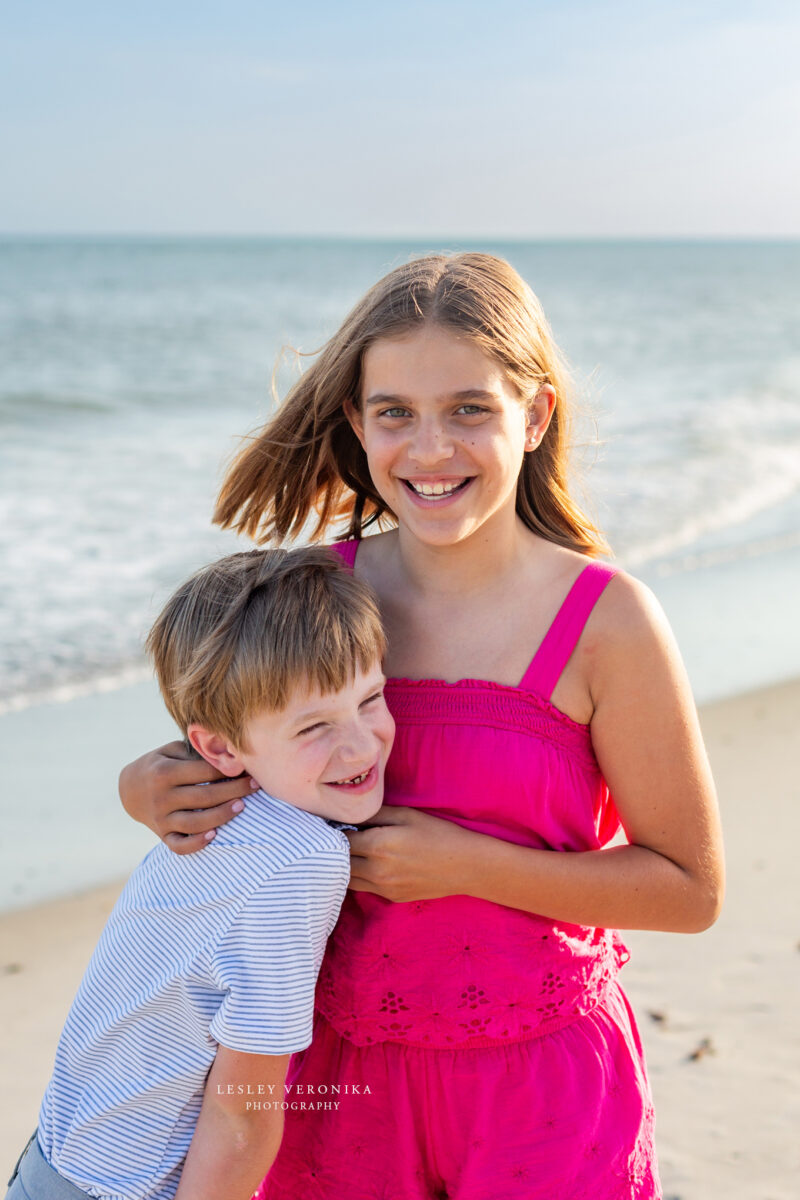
(618, 609)
(620, 612)
(627, 634)
(374, 552)
(626, 607)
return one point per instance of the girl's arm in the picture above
(181, 799)
(648, 744)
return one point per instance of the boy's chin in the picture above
(354, 813)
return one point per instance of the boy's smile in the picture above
(324, 752)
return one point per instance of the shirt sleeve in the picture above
(268, 961)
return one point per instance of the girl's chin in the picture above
(441, 531)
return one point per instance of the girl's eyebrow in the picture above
(467, 394)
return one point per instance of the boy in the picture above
(202, 983)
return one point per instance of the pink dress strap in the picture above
(561, 638)
(346, 550)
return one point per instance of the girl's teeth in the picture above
(435, 489)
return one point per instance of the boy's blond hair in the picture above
(238, 636)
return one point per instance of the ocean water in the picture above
(130, 367)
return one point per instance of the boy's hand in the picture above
(406, 854)
(181, 799)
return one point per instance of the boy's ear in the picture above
(216, 750)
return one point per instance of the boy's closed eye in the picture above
(322, 724)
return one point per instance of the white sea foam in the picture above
(726, 514)
(62, 693)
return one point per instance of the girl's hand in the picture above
(407, 854)
(164, 791)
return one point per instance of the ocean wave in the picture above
(759, 497)
(63, 692)
(720, 555)
(28, 406)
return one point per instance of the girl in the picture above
(469, 993)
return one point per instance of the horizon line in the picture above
(134, 234)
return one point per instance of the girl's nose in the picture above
(431, 444)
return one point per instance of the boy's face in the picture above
(325, 754)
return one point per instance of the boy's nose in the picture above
(358, 745)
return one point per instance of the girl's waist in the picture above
(459, 971)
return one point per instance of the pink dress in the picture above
(499, 1055)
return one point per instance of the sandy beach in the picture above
(717, 1011)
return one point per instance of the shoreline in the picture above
(735, 627)
(715, 1010)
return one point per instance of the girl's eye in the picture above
(373, 698)
(311, 728)
(471, 410)
(396, 411)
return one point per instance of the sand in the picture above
(717, 1011)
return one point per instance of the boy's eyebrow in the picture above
(311, 713)
(467, 394)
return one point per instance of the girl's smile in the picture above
(437, 491)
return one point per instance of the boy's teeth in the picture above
(356, 778)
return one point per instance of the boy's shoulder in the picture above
(263, 845)
(277, 828)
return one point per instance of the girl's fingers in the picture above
(179, 843)
(359, 884)
(176, 770)
(171, 750)
(185, 822)
(389, 814)
(210, 795)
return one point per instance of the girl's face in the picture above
(445, 432)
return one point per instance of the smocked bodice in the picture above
(505, 762)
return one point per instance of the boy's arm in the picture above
(267, 965)
(239, 1129)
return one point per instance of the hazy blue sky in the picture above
(508, 119)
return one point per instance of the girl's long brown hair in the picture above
(307, 459)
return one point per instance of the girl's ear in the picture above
(216, 750)
(540, 413)
(353, 414)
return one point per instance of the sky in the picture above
(537, 119)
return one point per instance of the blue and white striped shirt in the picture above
(222, 946)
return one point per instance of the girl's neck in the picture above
(482, 562)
